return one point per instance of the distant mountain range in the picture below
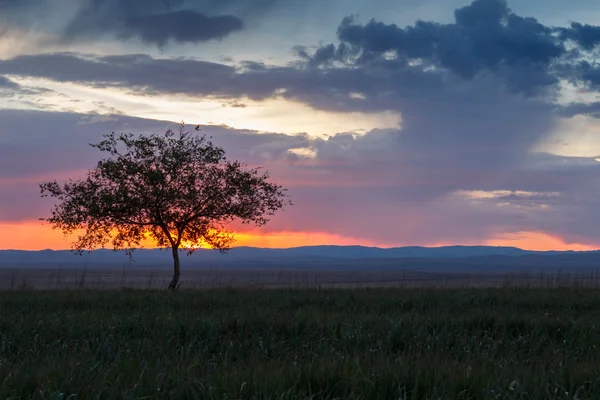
(355, 257)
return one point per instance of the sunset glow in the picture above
(34, 235)
(538, 241)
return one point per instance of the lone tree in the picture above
(179, 190)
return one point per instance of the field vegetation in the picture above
(494, 343)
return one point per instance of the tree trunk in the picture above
(176, 270)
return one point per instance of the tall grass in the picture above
(297, 344)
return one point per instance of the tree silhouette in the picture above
(179, 190)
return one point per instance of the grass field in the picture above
(298, 344)
(19, 278)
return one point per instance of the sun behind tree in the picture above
(178, 189)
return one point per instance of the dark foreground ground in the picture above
(509, 343)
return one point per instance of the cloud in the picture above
(181, 26)
(368, 186)
(591, 109)
(375, 67)
(448, 82)
(590, 75)
(134, 71)
(475, 97)
(486, 37)
(22, 12)
(456, 134)
(156, 22)
(7, 84)
(586, 36)
(159, 28)
(11, 89)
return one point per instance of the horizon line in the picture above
(325, 245)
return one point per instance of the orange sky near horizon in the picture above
(35, 235)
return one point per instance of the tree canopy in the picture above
(177, 189)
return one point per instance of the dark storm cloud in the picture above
(583, 72)
(590, 75)
(158, 28)
(236, 7)
(145, 75)
(380, 61)
(157, 22)
(485, 37)
(590, 109)
(180, 26)
(586, 36)
(153, 21)
(135, 71)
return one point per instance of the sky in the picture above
(391, 122)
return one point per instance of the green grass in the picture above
(298, 344)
